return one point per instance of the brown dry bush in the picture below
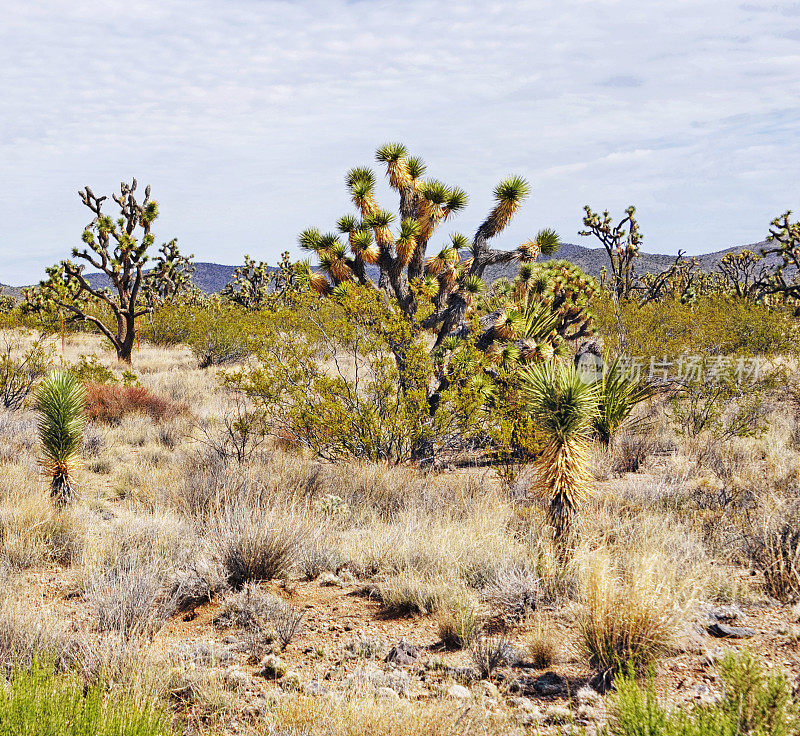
(109, 403)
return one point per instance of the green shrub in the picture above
(40, 702)
(754, 701)
(216, 333)
(713, 325)
(344, 377)
(20, 369)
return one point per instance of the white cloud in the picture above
(244, 115)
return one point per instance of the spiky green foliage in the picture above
(59, 403)
(563, 407)
(619, 394)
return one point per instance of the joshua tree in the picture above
(119, 249)
(441, 287)
(621, 242)
(563, 406)
(255, 284)
(786, 235)
(59, 404)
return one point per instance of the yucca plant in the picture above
(59, 402)
(564, 407)
(619, 393)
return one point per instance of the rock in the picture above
(723, 631)
(235, 679)
(550, 683)
(329, 579)
(314, 688)
(458, 691)
(725, 613)
(404, 653)
(290, 682)
(489, 690)
(386, 693)
(272, 667)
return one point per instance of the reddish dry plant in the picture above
(110, 403)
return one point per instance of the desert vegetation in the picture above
(375, 494)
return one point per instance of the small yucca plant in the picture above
(563, 407)
(59, 401)
(619, 395)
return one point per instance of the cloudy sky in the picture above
(244, 115)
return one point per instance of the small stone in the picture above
(725, 613)
(403, 653)
(272, 667)
(328, 579)
(458, 691)
(386, 693)
(550, 683)
(723, 631)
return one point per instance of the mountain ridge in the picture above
(213, 277)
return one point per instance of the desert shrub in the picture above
(40, 701)
(772, 543)
(259, 544)
(711, 325)
(20, 369)
(346, 378)
(109, 403)
(754, 701)
(33, 533)
(514, 592)
(721, 403)
(129, 596)
(459, 622)
(217, 333)
(628, 617)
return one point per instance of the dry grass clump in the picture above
(109, 403)
(629, 612)
(515, 592)
(358, 716)
(410, 593)
(129, 597)
(32, 532)
(255, 543)
(459, 623)
(542, 647)
(772, 543)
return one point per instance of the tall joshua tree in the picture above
(119, 248)
(59, 403)
(442, 286)
(564, 407)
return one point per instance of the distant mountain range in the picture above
(212, 277)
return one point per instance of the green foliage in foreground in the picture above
(40, 702)
(754, 701)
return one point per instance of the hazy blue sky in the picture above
(244, 115)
